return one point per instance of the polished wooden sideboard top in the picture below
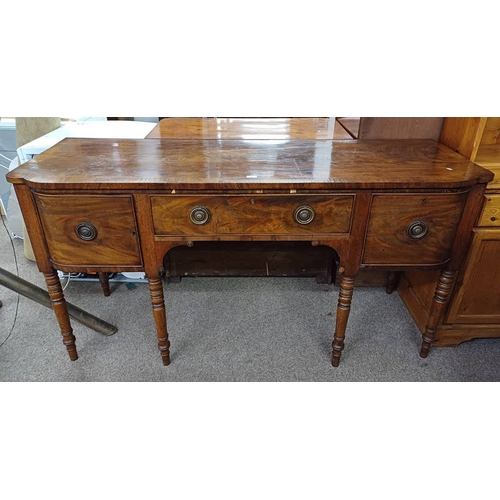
(120, 205)
(252, 164)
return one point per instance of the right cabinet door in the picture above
(477, 298)
(412, 228)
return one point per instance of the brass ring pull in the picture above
(416, 230)
(304, 214)
(86, 231)
(200, 215)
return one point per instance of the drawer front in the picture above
(90, 230)
(251, 215)
(412, 229)
(491, 211)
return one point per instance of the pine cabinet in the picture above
(477, 298)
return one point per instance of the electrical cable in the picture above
(17, 272)
(62, 276)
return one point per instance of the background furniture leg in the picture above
(343, 308)
(60, 308)
(392, 281)
(103, 278)
(160, 317)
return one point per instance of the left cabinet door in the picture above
(89, 230)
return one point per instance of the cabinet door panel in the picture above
(478, 298)
(90, 230)
(412, 229)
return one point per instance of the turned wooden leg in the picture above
(392, 281)
(61, 309)
(160, 317)
(441, 298)
(103, 278)
(343, 308)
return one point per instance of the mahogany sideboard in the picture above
(120, 205)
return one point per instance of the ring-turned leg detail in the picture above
(160, 317)
(441, 297)
(61, 310)
(343, 308)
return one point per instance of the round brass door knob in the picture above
(304, 214)
(416, 230)
(86, 231)
(200, 215)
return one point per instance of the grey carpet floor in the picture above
(226, 329)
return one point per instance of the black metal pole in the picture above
(39, 295)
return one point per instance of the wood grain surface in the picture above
(387, 241)
(116, 242)
(251, 215)
(195, 164)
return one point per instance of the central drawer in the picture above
(251, 215)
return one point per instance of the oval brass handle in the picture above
(200, 215)
(304, 214)
(416, 230)
(86, 231)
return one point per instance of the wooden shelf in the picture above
(488, 156)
